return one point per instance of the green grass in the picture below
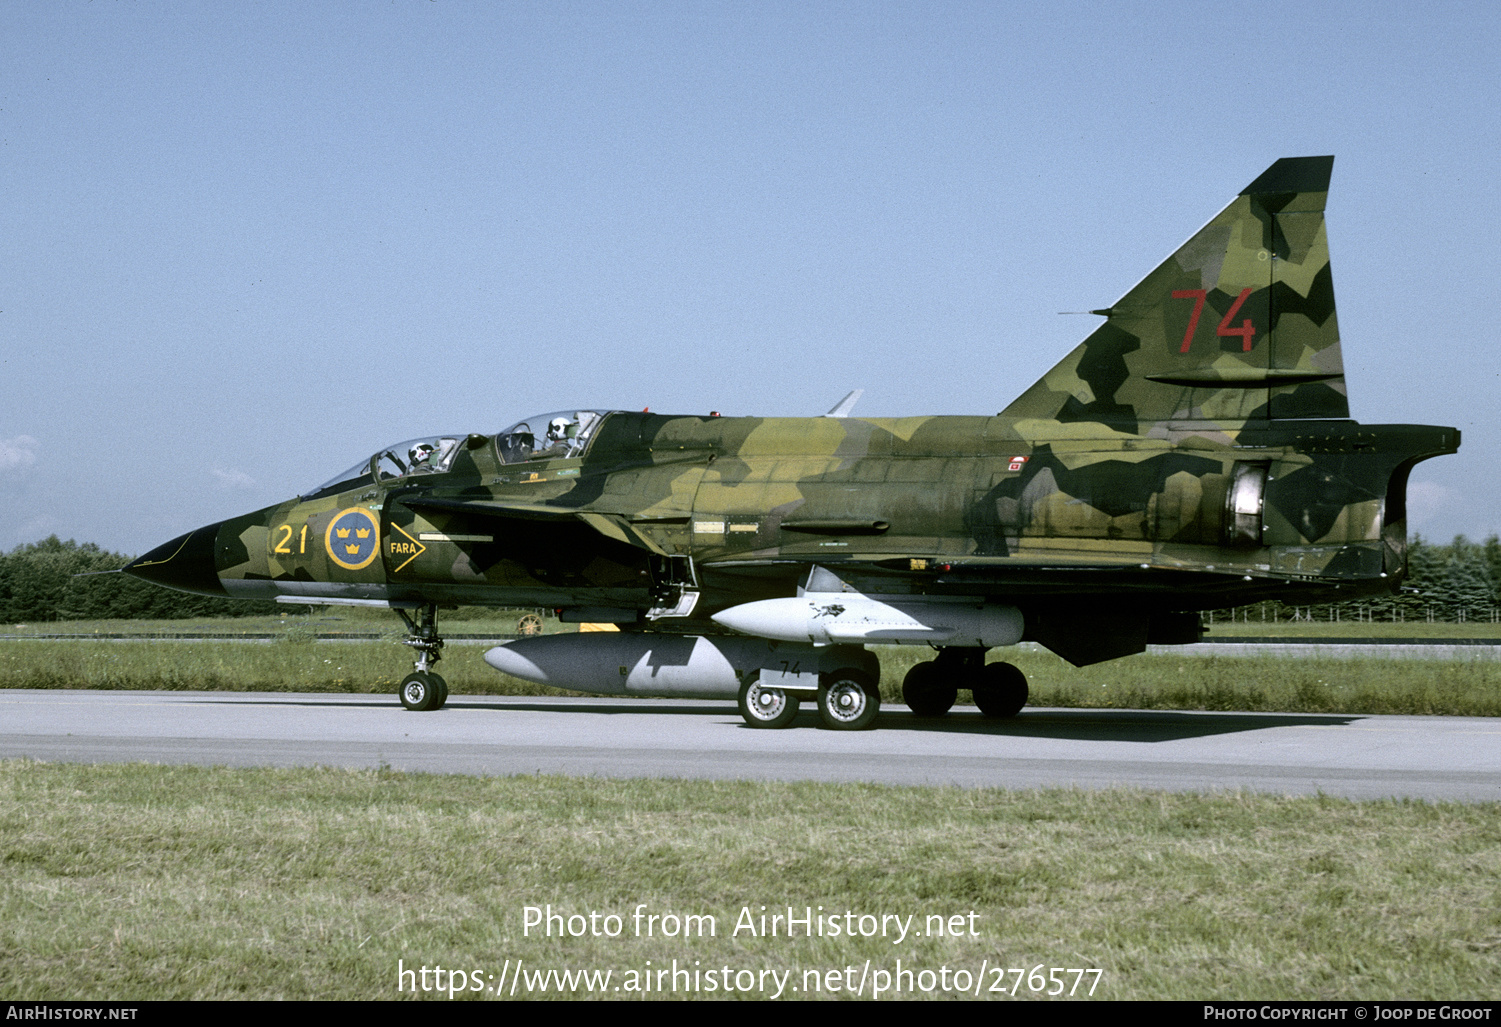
(295, 664)
(1269, 683)
(1470, 688)
(135, 882)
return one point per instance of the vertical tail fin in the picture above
(1237, 325)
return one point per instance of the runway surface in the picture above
(1352, 756)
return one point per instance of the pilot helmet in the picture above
(421, 452)
(557, 428)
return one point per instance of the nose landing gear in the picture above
(423, 690)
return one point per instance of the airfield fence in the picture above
(1379, 612)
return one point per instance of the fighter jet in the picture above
(1194, 452)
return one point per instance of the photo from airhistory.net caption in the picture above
(693, 976)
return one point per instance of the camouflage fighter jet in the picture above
(1194, 452)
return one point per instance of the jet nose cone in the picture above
(186, 563)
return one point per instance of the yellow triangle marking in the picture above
(420, 548)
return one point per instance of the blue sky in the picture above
(246, 244)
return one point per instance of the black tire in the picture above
(441, 686)
(925, 693)
(766, 707)
(1001, 690)
(848, 701)
(419, 693)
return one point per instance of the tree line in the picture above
(39, 582)
(1460, 581)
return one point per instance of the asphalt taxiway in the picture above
(1354, 756)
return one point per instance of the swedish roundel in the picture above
(353, 538)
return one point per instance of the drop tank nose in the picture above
(186, 563)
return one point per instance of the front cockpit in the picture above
(418, 456)
(432, 455)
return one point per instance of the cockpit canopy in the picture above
(564, 433)
(548, 436)
(431, 455)
(419, 456)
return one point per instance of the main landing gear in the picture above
(848, 700)
(423, 690)
(930, 689)
(767, 707)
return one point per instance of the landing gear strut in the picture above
(423, 690)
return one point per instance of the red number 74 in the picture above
(1246, 331)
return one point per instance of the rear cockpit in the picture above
(559, 435)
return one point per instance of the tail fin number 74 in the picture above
(1246, 331)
